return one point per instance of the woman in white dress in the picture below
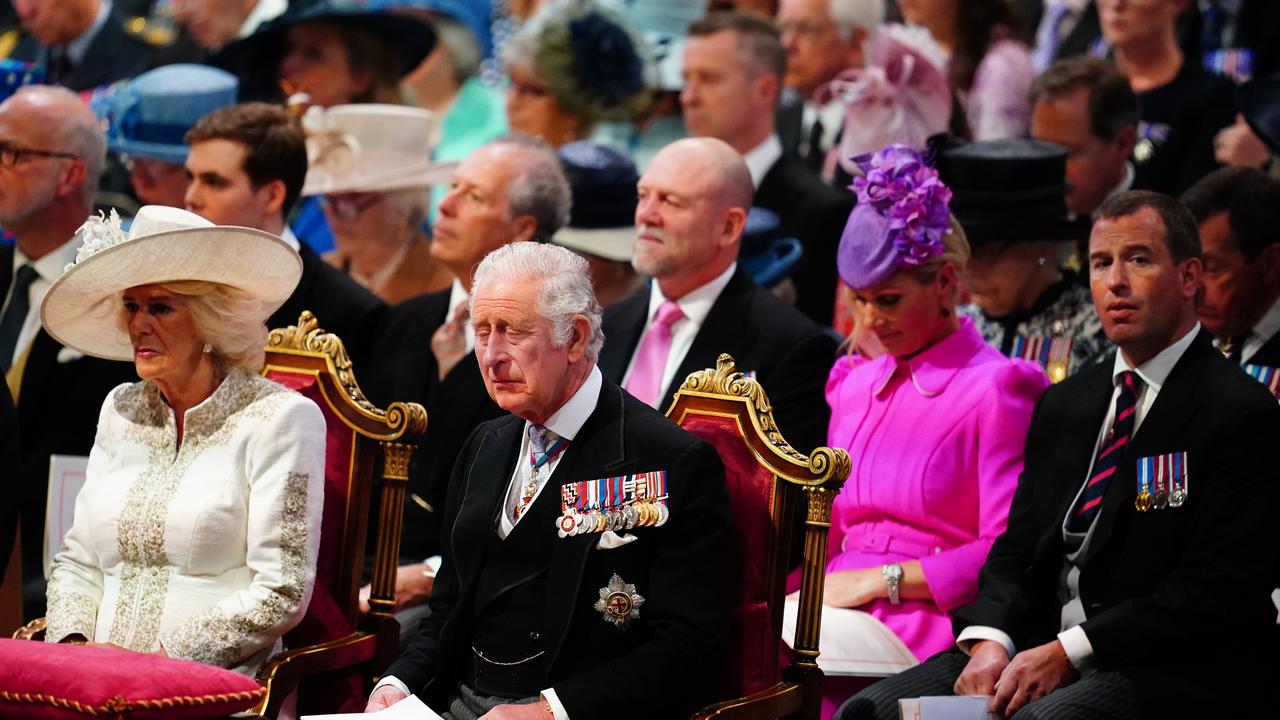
(195, 535)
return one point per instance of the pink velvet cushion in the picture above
(42, 680)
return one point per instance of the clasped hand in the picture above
(1014, 684)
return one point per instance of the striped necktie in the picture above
(1109, 454)
(539, 456)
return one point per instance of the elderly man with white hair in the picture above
(823, 38)
(517, 628)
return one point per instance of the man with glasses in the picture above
(823, 38)
(51, 154)
(246, 167)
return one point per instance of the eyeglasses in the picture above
(348, 207)
(11, 155)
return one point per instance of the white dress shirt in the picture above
(566, 423)
(1075, 642)
(265, 10)
(77, 48)
(762, 157)
(695, 305)
(458, 295)
(49, 268)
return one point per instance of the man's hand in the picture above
(987, 659)
(532, 711)
(852, 588)
(383, 698)
(1030, 676)
(413, 587)
(1238, 145)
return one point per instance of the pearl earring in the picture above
(1042, 260)
(208, 348)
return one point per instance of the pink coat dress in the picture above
(936, 443)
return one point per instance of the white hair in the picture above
(849, 15)
(564, 292)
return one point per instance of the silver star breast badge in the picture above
(619, 602)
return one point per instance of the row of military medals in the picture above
(613, 504)
(1162, 482)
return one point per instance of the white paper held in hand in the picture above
(852, 643)
(410, 708)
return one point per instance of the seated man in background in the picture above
(510, 190)
(246, 167)
(694, 199)
(1135, 575)
(528, 578)
(1239, 214)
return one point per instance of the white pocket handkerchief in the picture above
(66, 355)
(610, 540)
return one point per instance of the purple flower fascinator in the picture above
(900, 219)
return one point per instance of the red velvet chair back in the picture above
(775, 492)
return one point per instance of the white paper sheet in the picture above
(952, 707)
(66, 477)
(852, 643)
(410, 708)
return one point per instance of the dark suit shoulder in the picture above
(1226, 386)
(424, 312)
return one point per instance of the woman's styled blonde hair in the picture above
(955, 252)
(225, 319)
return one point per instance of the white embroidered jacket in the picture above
(209, 551)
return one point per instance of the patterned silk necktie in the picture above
(539, 456)
(651, 356)
(1109, 454)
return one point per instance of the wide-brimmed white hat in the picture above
(371, 148)
(164, 244)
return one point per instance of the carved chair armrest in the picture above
(282, 672)
(33, 630)
(778, 701)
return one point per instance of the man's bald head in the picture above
(57, 119)
(694, 198)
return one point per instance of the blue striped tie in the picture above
(1109, 454)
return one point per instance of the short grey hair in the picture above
(849, 15)
(564, 293)
(80, 133)
(225, 319)
(539, 187)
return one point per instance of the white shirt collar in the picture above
(569, 419)
(1267, 327)
(77, 48)
(762, 157)
(51, 266)
(291, 239)
(458, 295)
(1155, 371)
(696, 303)
(265, 10)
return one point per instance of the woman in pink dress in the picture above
(933, 418)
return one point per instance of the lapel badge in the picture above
(619, 602)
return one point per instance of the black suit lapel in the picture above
(624, 326)
(1172, 410)
(487, 479)
(722, 330)
(1075, 450)
(1269, 354)
(598, 451)
(6, 270)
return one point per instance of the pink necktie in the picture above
(651, 357)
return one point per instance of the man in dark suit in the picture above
(733, 67)
(587, 557)
(1134, 577)
(11, 456)
(693, 202)
(247, 164)
(510, 190)
(1239, 211)
(51, 157)
(83, 44)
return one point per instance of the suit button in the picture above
(534, 636)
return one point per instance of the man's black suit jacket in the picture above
(1174, 598)
(815, 213)
(340, 304)
(58, 406)
(404, 369)
(11, 456)
(664, 664)
(789, 354)
(1268, 355)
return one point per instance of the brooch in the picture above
(619, 602)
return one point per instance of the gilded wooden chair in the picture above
(333, 655)
(337, 650)
(771, 486)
